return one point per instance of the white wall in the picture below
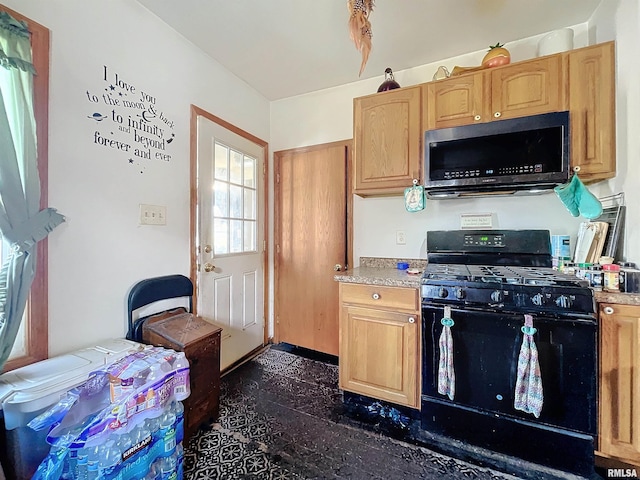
(327, 116)
(101, 251)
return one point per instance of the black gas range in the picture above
(482, 286)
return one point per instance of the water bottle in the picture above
(82, 464)
(180, 460)
(93, 459)
(124, 443)
(70, 465)
(109, 458)
(182, 389)
(168, 467)
(177, 408)
(168, 433)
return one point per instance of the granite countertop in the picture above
(383, 271)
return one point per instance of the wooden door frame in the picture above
(277, 159)
(193, 202)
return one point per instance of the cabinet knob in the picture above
(576, 168)
(497, 115)
(477, 118)
(412, 319)
(608, 310)
(337, 267)
(376, 296)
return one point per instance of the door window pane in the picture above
(220, 199)
(249, 172)
(235, 171)
(249, 204)
(220, 236)
(236, 236)
(249, 236)
(221, 162)
(235, 197)
(234, 201)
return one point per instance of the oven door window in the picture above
(486, 346)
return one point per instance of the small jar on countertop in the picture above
(611, 277)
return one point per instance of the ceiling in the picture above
(284, 48)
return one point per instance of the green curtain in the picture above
(22, 223)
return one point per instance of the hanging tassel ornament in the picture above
(360, 27)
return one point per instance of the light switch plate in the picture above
(153, 214)
(470, 221)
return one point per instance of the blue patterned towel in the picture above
(446, 374)
(528, 395)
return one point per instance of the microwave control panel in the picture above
(493, 172)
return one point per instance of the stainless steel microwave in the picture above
(527, 155)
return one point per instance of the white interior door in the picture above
(230, 231)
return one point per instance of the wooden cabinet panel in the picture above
(376, 296)
(619, 427)
(592, 107)
(387, 139)
(455, 101)
(516, 90)
(379, 355)
(380, 342)
(527, 88)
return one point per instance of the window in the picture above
(234, 202)
(32, 342)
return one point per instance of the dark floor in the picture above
(282, 416)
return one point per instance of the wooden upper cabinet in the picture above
(527, 88)
(516, 90)
(387, 138)
(592, 107)
(455, 101)
(619, 426)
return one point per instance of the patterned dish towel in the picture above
(528, 395)
(446, 375)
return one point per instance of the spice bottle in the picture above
(611, 277)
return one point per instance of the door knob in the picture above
(207, 249)
(209, 267)
(337, 267)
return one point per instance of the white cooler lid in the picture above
(42, 384)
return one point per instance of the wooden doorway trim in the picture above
(278, 215)
(193, 202)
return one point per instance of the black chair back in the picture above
(153, 290)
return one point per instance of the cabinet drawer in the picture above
(404, 298)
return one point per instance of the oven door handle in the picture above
(496, 305)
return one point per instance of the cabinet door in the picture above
(620, 382)
(387, 138)
(527, 88)
(379, 354)
(592, 107)
(455, 101)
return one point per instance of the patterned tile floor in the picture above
(281, 417)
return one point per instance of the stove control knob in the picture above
(460, 293)
(564, 302)
(538, 299)
(497, 296)
(443, 292)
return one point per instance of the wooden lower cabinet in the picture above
(380, 342)
(619, 430)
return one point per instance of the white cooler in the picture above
(27, 392)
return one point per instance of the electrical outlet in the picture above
(153, 214)
(401, 238)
